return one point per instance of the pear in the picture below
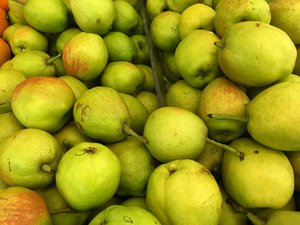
(93, 16)
(135, 201)
(142, 52)
(284, 218)
(9, 79)
(273, 116)
(9, 124)
(123, 215)
(285, 15)
(85, 56)
(125, 77)
(137, 164)
(104, 119)
(148, 99)
(196, 57)
(294, 158)
(230, 12)
(88, 175)
(138, 112)
(48, 17)
(77, 85)
(214, 100)
(154, 7)
(33, 63)
(184, 192)
(149, 83)
(248, 45)
(64, 36)
(261, 170)
(180, 5)
(29, 158)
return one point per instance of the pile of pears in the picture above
(154, 112)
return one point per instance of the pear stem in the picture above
(228, 117)
(53, 58)
(47, 169)
(63, 210)
(226, 147)
(131, 132)
(219, 44)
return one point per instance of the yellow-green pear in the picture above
(142, 51)
(149, 83)
(77, 85)
(88, 175)
(29, 158)
(137, 164)
(64, 36)
(294, 158)
(196, 57)
(93, 16)
(37, 102)
(285, 16)
(230, 12)
(297, 64)
(148, 99)
(253, 53)
(273, 118)
(123, 215)
(9, 124)
(284, 218)
(154, 7)
(184, 192)
(135, 201)
(180, 5)
(263, 179)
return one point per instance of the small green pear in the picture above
(142, 52)
(123, 215)
(64, 36)
(184, 192)
(29, 158)
(273, 116)
(137, 164)
(154, 7)
(251, 182)
(77, 85)
(88, 175)
(230, 12)
(180, 5)
(135, 201)
(253, 53)
(93, 16)
(49, 16)
(125, 77)
(103, 119)
(149, 83)
(148, 99)
(9, 124)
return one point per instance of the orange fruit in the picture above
(4, 23)
(5, 52)
(4, 5)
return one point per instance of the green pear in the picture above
(137, 164)
(7, 33)
(9, 124)
(138, 112)
(64, 36)
(125, 77)
(174, 133)
(248, 45)
(180, 5)
(182, 94)
(214, 100)
(120, 46)
(230, 12)
(15, 12)
(9, 79)
(29, 158)
(297, 64)
(228, 214)
(170, 69)
(88, 175)
(135, 201)
(154, 7)
(126, 17)
(19, 205)
(93, 16)
(33, 63)
(37, 102)
(48, 17)
(85, 56)
(104, 119)
(196, 16)
(251, 182)
(77, 85)
(148, 99)
(61, 213)
(284, 218)
(142, 51)
(123, 215)
(273, 117)
(196, 57)
(25, 38)
(285, 16)
(69, 135)
(149, 83)
(184, 192)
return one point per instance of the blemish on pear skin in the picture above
(127, 219)
(171, 171)
(256, 151)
